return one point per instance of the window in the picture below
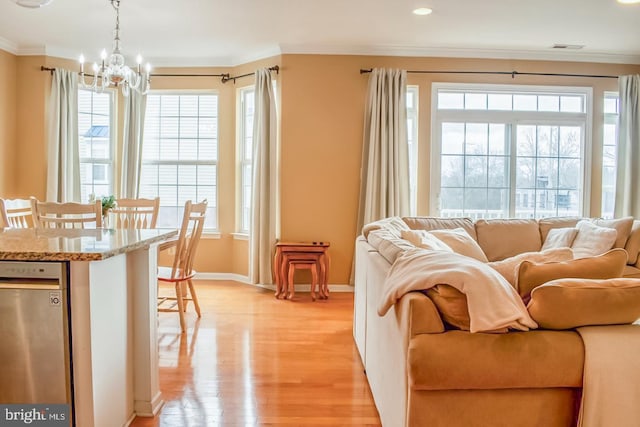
(609, 153)
(245, 150)
(509, 151)
(180, 154)
(95, 143)
(412, 140)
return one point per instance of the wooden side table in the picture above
(290, 255)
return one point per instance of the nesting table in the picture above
(290, 256)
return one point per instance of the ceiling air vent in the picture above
(567, 46)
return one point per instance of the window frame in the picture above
(413, 148)
(609, 119)
(110, 162)
(242, 160)
(511, 118)
(179, 92)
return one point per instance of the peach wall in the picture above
(321, 106)
(8, 124)
(321, 133)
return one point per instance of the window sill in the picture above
(211, 235)
(240, 236)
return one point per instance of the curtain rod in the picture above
(225, 76)
(513, 74)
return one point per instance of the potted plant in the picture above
(108, 203)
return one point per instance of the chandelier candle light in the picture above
(112, 71)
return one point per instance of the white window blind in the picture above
(412, 140)
(180, 154)
(609, 153)
(245, 150)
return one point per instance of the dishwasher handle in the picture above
(31, 285)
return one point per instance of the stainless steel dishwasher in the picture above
(35, 344)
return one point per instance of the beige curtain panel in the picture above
(63, 157)
(628, 174)
(134, 110)
(265, 221)
(384, 179)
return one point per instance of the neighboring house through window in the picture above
(509, 151)
(180, 154)
(95, 142)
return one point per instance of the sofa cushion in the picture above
(393, 225)
(606, 266)
(425, 240)
(509, 267)
(430, 223)
(504, 238)
(622, 227)
(389, 246)
(560, 238)
(461, 243)
(571, 303)
(547, 224)
(451, 304)
(633, 243)
(462, 360)
(592, 239)
(631, 272)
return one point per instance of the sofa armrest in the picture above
(418, 315)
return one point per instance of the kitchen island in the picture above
(111, 277)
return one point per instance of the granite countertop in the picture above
(28, 244)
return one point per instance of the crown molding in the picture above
(8, 46)
(414, 51)
(332, 49)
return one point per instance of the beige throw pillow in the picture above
(622, 227)
(570, 303)
(592, 240)
(461, 243)
(606, 266)
(560, 238)
(451, 304)
(509, 267)
(423, 239)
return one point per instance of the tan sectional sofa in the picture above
(423, 374)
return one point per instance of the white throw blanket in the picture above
(493, 303)
(611, 379)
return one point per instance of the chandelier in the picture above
(112, 70)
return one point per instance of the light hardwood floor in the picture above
(253, 360)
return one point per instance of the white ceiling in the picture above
(232, 32)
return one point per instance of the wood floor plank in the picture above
(252, 360)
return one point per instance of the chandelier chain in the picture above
(113, 71)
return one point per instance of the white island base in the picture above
(114, 338)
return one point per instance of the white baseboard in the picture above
(300, 287)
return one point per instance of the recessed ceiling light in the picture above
(628, 1)
(32, 4)
(425, 11)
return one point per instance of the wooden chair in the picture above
(135, 213)
(182, 271)
(16, 213)
(66, 215)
